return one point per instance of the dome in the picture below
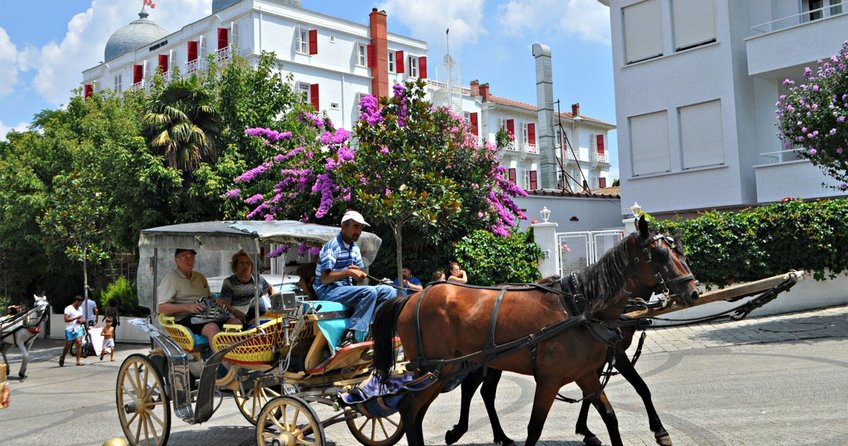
(137, 34)
(218, 5)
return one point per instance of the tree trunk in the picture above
(396, 230)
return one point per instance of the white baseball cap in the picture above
(355, 216)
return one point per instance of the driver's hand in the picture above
(195, 308)
(355, 272)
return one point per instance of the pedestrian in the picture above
(411, 284)
(108, 339)
(457, 274)
(112, 312)
(74, 332)
(89, 311)
(339, 268)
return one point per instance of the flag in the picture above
(150, 3)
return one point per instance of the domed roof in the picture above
(218, 5)
(133, 36)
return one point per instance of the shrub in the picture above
(728, 247)
(489, 259)
(125, 293)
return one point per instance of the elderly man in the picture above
(339, 267)
(180, 294)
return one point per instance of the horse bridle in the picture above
(663, 282)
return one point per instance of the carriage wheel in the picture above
(289, 421)
(144, 408)
(253, 400)
(376, 431)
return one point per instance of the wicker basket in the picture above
(259, 349)
(178, 333)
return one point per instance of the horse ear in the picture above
(643, 227)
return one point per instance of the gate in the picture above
(577, 250)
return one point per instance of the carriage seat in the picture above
(331, 318)
(185, 338)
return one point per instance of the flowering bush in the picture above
(812, 116)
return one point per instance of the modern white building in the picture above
(334, 63)
(696, 82)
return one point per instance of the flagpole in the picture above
(449, 64)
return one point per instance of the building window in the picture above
(303, 88)
(822, 8)
(119, 86)
(694, 23)
(399, 60)
(649, 147)
(412, 63)
(302, 41)
(701, 135)
(524, 137)
(642, 31)
(361, 54)
(392, 61)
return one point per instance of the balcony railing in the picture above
(532, 149)
(600, 157)
(192, 66)
(224, 53)
(834, 9)
(137, 86)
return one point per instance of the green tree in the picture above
(811, 116)
(483, 255)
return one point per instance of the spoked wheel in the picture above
(143, 406)
(376, 431)
(253, 400)
(288, 421)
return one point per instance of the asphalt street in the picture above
(778, 380)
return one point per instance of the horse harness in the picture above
(572, 300)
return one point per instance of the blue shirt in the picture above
(336, 255)
(413, 280)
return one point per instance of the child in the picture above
(108, 340)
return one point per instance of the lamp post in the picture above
(636, 209)
(545, 213)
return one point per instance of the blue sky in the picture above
(46, 44)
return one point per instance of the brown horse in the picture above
(489, 379)
(445, 322)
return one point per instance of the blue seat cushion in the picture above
(200, 339)
(331, 328)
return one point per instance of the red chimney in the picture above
(575, 109)
(380, 45)
(484, 91)
(475, 88)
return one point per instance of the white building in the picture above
(334, 63)
(696, 82)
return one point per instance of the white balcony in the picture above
(531, 149)
(194, 65)
(786, 176)
(138, 85)
(600, 158)
(224, 53)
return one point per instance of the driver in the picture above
(339, 267)
(180, 292)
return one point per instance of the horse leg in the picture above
(412, 410)
(489, 392)
(590, 384)
(589, 438)
(543, 399)
(469, 386)
(25, 345)
(623, 365)
(3, 348)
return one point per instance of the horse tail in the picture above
(383, 329)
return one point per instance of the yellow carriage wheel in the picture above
(376, 431)
(289, 421)
(144, 408)
(250, 401)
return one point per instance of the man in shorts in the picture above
(73, 329)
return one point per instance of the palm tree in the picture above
(183, 124)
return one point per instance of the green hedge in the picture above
(489, 259)
(727, 247)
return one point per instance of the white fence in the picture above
(577, 250)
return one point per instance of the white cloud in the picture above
(428, 20)
(587, 19)
(59, 65)
(4, 129)
(8, 64)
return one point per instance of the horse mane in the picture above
(602, 281)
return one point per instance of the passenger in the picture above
(457, 274)
(180, 294)
(411, 284)
(438, 276)
(239, 290)
(339, 267)
(306, 275)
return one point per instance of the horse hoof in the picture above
(453, 435)
(506, 442)
(592, 441)
(22, 376)
(663, 440)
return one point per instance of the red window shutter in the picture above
(474, 130)
(313, 96)
(400, 62)
(372, 57)
(600, 140)
(163, 63)
(531, 133)
(510, 126)
(602, 182)
(223, 37)
(512, 175)
(192, 50)
(534, 183)
(422, 67)
(88, 90)
(138, 73)
(313, 41)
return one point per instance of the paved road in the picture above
(778, 380)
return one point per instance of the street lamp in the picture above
(545, 213)
(636, 209)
